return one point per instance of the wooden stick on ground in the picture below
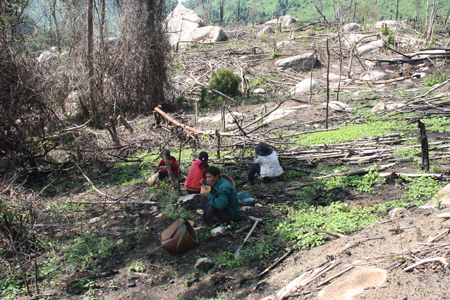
(358, 171)
(275, 263)
(336, 275)
(427, 260)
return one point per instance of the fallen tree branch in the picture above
(88, 180)
(275, 263)
(428, 260)
(358, 171)
(335, 276)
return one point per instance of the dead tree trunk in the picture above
(90, 59)
(55, 20)
(424, 145)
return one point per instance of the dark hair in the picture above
(214, 171)
(263, 149)
(203, 156)
(165, 152)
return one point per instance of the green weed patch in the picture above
(370, 129)
(304, 225)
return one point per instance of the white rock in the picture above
(204, 263)
(371, 47)
(352, 27)
(259, 91)
(265, 30)
(207, 34)
(444, 215)
(284, 20)
(396, 212)
(418, 75)
(72, 104)
(379, 107)
(246, 208)
(46, 56)
(94, 220)
(283, 44)
(394, 105)
(354, 38)
(287, 20)
(302, 62)
(305, 86)
(183, 19)
(338, 106)
(374, 75)
(391, 23)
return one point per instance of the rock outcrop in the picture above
(352, 27)
(299, 63)
(305, 86)
(284, 20)
(184, 25)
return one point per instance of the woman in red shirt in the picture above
(196, 173)
(172, 162)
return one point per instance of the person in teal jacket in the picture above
(221, 201)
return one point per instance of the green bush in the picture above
(390, 39)
(225, 81)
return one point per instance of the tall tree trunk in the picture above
(221, 12)
(57, 33)
(102, 46)
(426, 18)
(238, 11)
(90, 58)
(396, 11)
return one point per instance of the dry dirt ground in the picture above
(389, 245)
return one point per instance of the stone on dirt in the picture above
(299, 63)
(391, 24)
(265, 30)
(353, 283)
(355, 38)
(185, 25)
(204, 264)
(305, 86)
(371, 47)
(374, 75)
(259, 91)
(284, 20)
(352, 27)
(183, 19)
(47, 56)
(443, 196)
(308, 32)
(396, 212)
(338, 106)
(379, 107)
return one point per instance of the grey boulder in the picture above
(302, 62)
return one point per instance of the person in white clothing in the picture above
(266, 165)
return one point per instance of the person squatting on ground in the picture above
(266, 164)
(221, 201)
(196, 173)
(172, 163)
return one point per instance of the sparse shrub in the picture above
(385, 31)
(435, 79)
(273, 55)
(390, 39)
(225, 81)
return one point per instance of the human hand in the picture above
(205, 189)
